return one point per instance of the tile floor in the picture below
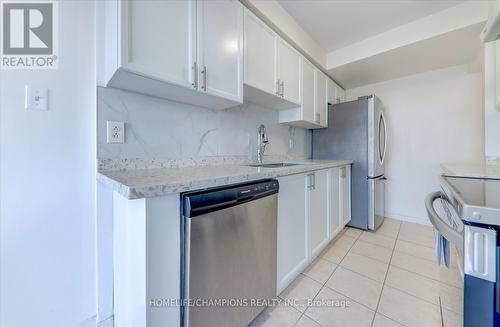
(383, 278)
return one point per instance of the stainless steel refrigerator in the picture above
(357, 131)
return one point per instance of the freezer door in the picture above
(376, 207)
(377, 137)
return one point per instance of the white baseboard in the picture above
(109, 322)
(90, 322)
(415, 220)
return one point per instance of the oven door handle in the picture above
(441, 226)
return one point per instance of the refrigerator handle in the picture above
(385, 135)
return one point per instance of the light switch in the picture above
(36, 99)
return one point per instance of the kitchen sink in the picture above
(275, 165)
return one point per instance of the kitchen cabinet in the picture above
(303, 116)
(193, 52)
(271, 67)
(335, 94)
(293, 226)
(339, 94)
(320, 98)
(312, 209)
(318, 205)
(289, 72)
(334, 195)
(345, 194)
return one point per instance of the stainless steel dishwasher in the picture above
(228, 253)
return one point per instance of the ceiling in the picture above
(334, 24)
(459, 47)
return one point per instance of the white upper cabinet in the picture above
(330, 91)
(183, 50)
(308, 91)
(173, 22)
(289, 72)
(260, 51)
(320, 99)
(220, 41)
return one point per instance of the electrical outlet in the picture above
(116, 131)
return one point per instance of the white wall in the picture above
(47, 185)
(434, 117)
(491, 113)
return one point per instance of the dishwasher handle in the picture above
(202, 202)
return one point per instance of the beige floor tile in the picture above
(302, 290)
(333, 313)
(378, 239)
(420, 266)
(419, 234)
(372, 251)
(408, 310)
(365, 266)
(320, 270)
(359, 288)
(452, 319)
(422, 287)
(278, 316)
(451, 297)
(337, 250)
(305, 321)
(451, 276)
(352, 232)
(343, 240)
(416, 250)
(389, 227)
(383, 321)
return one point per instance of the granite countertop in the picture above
(491, 171)
(145, 183)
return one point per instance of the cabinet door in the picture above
(345, 181)
(308, 91)
(330, 91)
(260, 50)
(320, 100)
(147, 21)
(220, 48)
(318, 211)
(293, 251)
(339, 94)
(289, 71)
(334, 191)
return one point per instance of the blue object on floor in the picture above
(446, 251)
(442, 247)
(438, 249)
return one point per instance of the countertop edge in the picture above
(163, 189)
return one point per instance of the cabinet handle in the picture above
(338, 100)
(282, 89)
(318, 117)
(343, 172)
(314, 181)
(310, 181)
(204, 73)
(194, 69)
(277, 87)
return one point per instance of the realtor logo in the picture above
(29, 35)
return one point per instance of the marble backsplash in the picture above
(165, 133)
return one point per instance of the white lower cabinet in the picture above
(312, 209)
(318, 204)
(345, 196)
(293, 249)
(334, 194)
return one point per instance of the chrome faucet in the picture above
(262, 141)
